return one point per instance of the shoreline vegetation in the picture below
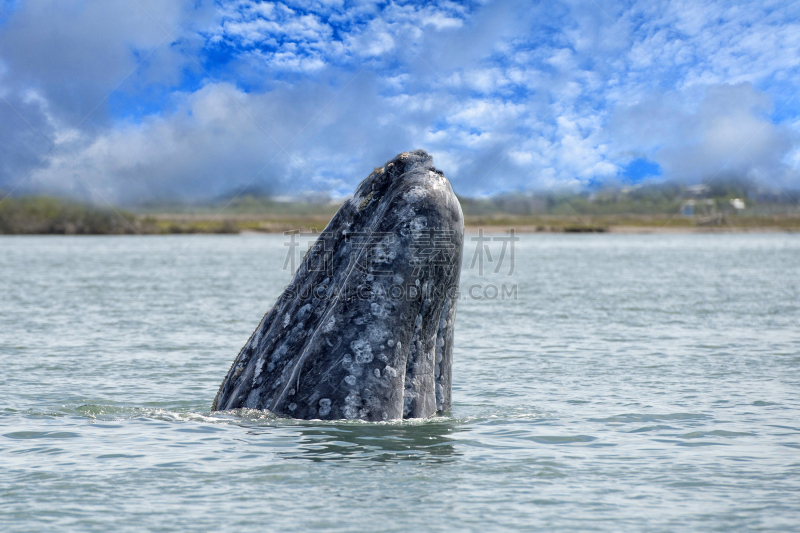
(654, 209)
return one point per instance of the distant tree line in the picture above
(740, 199)
(44, 215)
(663, 198)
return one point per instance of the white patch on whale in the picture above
(362, 350)
(324, 407)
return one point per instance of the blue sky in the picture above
(139, 100)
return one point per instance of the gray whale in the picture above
(365, 328)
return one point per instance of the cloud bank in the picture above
(148, 100)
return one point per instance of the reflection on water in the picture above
(427, 442)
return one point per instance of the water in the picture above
(637, 383)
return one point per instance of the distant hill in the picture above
(245, 205)
(647, 199)
(44, 215)
(647, 207)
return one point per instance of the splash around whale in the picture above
(365, 328)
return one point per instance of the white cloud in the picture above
(505, 94)
(728, 133)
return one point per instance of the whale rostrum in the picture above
(365, 328)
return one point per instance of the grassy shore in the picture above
(38, 215)
(631, 223)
